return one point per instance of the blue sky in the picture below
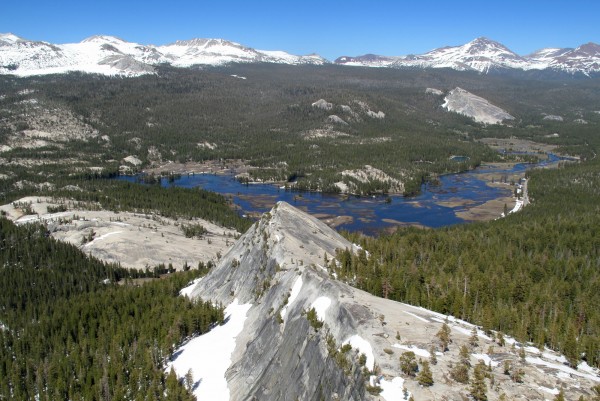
(330, 28)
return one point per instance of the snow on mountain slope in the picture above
(99, 54)
(479, 109)
(368, 60)
(480, 55)
(113, 56)
(585, 58)
(109, 55)
(484, 55)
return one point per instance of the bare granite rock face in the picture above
(279, 355)
(299, 317)
(475, 107)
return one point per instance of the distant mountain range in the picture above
(484, 55)
(109, 55)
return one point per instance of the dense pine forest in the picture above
(268, 120)
(70, 331)
(534, 275)
(73, 327)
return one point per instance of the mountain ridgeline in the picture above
(109, 55)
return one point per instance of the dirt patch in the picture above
(333, 221)
(490, 210)
(397, 224)
(455, 202)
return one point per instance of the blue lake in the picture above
(366, 214)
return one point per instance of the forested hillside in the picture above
(268, 120)
(67, 331)
(535, 274)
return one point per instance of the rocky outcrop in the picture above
(479, 109)
(279, 355)
(298, 316)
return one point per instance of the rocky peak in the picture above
(103, 39)
(588, 49)
(207, 43)
(297, 316)
(9, 39)
(283, 239)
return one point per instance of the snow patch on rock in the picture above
(433, 91)
(293, 295)
(320, 306)
(336, 120)
(418, 351)
(393, 390)
(209, 356)
(363, 347)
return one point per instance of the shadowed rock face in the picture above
(278, 267)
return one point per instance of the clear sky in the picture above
(329, 28)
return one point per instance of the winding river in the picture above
(436, 206)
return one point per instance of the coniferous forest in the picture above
(534, 275)
(73, 327)
(71, 330)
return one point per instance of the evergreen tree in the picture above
(460, 373)
(465, 355)
(425, 378)
(478, 388)
(433, 356)
(444, 336)
(474, 339)
(596, 393)
(408, 363)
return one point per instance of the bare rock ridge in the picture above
(297, 317)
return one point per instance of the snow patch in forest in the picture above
(209, 355)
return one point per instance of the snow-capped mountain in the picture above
(109, 55)
(485, 55)
(585, 58)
